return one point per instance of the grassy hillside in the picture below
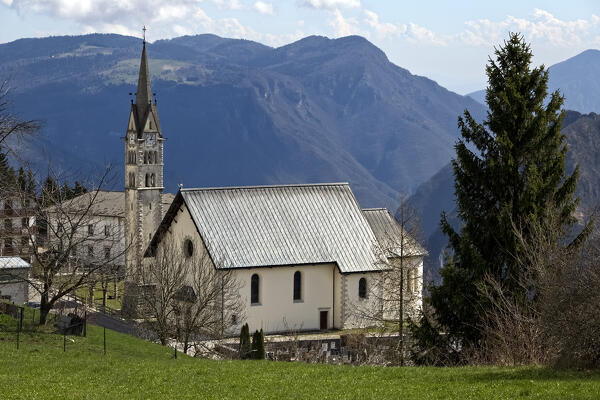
(136, 369)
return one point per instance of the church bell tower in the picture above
(143, 182)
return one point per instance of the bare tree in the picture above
(397, 292)
(557, 321)
(209, 304)
(185, 297)
(10, 125)
(66, 240)
(163, 277)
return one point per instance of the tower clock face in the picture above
(151, 139)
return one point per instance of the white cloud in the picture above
(331, 5)
(111, 28)
(344, 26)
(542, 26)
(383, 29)
(228, 4)
(264, 8)
(171, 12)
(417, 33)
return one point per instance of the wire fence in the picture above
(65, 319)
(68, 318)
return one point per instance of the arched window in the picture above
(147, 180)
(152, 180)
(145, 157)
(156, 157)
(362, 288)
(297, 285)
(134, 157)
(151, 157)
(188, 248)
(254, 289)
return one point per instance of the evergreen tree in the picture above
(22, 180)
(7, 173)
(509, 172)
(79, 189)
(258, 345)
(50, 192)
(30, 185)
(67, 193)
(245, 346)
(260, 349)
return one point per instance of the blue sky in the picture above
(448, 41)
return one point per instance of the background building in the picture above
(13, 271)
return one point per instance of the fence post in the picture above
(33, 318)
(64, 340)
(21, 319)
(85, 323)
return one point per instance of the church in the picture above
(306, 256)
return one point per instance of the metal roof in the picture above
(389, 234)
(256, 226)
(13, 262)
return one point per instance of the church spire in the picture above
(143, 97)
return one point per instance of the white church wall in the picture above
(338, 312)
(277, 310)
(355, 306)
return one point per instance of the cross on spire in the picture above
(144, 29)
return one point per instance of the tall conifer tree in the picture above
(509, 172)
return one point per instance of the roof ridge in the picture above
(266, 186)
(375, 209)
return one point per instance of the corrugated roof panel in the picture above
(389, 234)
(13, 262)
(283, 225)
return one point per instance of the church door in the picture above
(324, 319)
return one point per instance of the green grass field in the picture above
(134, 369)
(83, 293)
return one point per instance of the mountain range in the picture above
(236, 112)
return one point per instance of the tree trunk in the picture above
(401, 316)
(45, 308)
(104, 294)
(91, 292)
